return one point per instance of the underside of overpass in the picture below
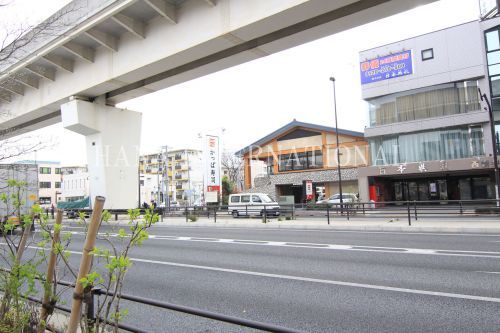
(115, 50)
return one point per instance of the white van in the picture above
(246, 204)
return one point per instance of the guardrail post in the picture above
(215, 214)
(415, 208)
(116, 216)
(347, 211)
(409, 214)
(293, 212)
(328, 214)
(246, 210)
(186, 213)
(363, 206)
(461, 208)
(265, 214)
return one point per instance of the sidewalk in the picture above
(469, 224)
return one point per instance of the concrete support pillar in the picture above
(113, 138)
(364, 192)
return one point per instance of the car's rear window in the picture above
(235, 198)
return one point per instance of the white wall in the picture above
(458, 56)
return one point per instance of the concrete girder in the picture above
(85, 53)
(5, 96)
(43, 72)
(28, 80)
(135, 27)
(60, 62)
(163, 8)
(107, 40)
(13, 88)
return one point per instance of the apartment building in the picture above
(179, 170)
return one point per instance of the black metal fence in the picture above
(90, 300)
(397, 210)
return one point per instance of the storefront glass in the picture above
(445, 144)
(429, 102)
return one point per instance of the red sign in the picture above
(213, 188)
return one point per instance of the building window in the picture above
(493, 58)
(45, 171)
(437, 101)
(58, 171)
(44, 200)
(57, 184)
(301, 161)
(45, 185)
(445, 144)
(427, 54)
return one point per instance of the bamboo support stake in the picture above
(46, 306)
(85, 264)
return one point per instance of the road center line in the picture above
(340, 247)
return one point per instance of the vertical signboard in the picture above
(309, 189)
(212, 169)
(387, 67)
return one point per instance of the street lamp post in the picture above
(337, 139)
(484, 98)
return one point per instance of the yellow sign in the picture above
(32, 197)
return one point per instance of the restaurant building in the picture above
(299, 161)
(430, 134)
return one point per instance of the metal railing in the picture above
(90, 301)
(410, 210)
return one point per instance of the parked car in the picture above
(256, 204)
(334, 200)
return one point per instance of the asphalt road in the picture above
(316, 281)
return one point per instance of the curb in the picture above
(408, 229)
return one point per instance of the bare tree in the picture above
(16, 42)
(233, 165)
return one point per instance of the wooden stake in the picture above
(50, 275)
(85, 264)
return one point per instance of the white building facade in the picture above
(75, 183)
(429, 134)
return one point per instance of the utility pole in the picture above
(165, 181)
(337, 139)
(484, 98)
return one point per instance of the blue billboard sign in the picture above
(387, 67)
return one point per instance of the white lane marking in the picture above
(421, 251)
(341, 247)
(306, 279)
(323, 281)
(226, 240)
(487, 272)
(284, 229)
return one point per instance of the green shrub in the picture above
(192, 218)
